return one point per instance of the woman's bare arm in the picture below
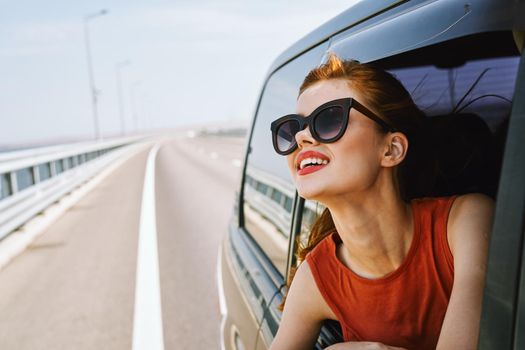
(303, 315)
(468, 228)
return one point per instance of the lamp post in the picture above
(133, 104)
(118, 68)
(92, 87)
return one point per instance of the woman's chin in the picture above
(310, 193)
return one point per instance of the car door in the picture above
(268, 197)
(503, 317)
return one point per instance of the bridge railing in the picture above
(31, 180)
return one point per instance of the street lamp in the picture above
(134, 105)
(92, 87)
(118, 68)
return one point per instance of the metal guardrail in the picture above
(31, 180)
(271, 196)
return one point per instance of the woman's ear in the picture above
(395, 149)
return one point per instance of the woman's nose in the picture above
(305, 137)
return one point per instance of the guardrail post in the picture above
(52, 167)
(14, 183)
(36, 174)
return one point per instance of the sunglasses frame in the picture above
(345, 103)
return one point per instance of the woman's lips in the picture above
(316, 158)
(310, 169)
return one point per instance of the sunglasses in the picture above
(327, 124)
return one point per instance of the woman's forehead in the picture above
(322, 92)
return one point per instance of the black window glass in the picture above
(267, 217)
(484, 86)
(474, 74)
(24, 178)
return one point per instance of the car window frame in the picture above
(500, 301)
(502, 220)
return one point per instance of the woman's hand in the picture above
(362, 345)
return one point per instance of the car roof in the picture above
(480, 15)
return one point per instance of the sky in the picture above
(189, 62)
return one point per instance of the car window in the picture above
(489, 83)
(268, 190)
(311, 211)
(460, 74)
(474, 74)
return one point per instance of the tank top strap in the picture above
(433, 216)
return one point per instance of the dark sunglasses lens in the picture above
(329, 122)
(286, 135)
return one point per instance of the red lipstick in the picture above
(311, 168)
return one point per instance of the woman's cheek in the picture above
(355, 173)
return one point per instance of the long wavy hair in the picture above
(387, 97)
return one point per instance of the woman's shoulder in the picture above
(307, 286)
(470, 207)
(470, 218)
(456, 208)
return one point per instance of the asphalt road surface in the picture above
(74, 287)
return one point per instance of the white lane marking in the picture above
(147, 319)
(214, 155)
(236, 163)
(222, 300)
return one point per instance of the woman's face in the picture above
(352, 162)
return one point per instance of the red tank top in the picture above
(404, 308)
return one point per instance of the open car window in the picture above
(474, 74)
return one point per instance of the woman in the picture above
(396, 272)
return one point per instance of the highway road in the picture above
(74, 287)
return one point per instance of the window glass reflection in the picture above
(312, 210)
(484, 87)
(268, 189)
